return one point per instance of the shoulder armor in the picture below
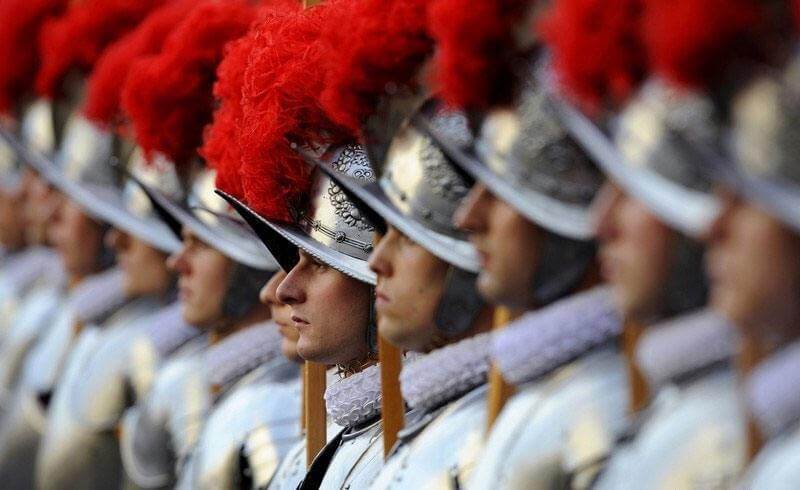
(449, 441)
(777, 466)
(71, 453)
(558, 429)
(255, 403)
(37, 311)
(157, 433)
(694, 440)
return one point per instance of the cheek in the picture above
(645, 243)
(210, 274)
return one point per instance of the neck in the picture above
(632, 331)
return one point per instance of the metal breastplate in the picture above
(79, 446)
(292, 469)
(694, 440)
(558, 429)
(257, 401)
(446, 447)
(159, 432)
(146, 362)
(357, 461)
(777, 465)
(36, 311)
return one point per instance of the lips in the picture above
(299, 322)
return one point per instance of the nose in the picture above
(177, 262)
(269, 293)
(378, 260)
(605, 208)
(716, 231)
(115, 240)
(471, 214)
(290, 290)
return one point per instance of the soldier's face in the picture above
(410, 286)
(753, 263)
(145, 267)
(634, 252)
(282, 315)
(330, 311)
(12, 224)
(38, 209)
(507, 246)
(203, 280)
(77, 238)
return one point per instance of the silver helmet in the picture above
(656, 149)
(331, 229)
(525, 157)
(212, 220)
(418, 192)
(651, 150)
(766, 128)
(88, 167)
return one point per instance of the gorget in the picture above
(356, 399)
(240, 353)
(543, 340)
(445, 374)
(22, 269)
(679, 348)
(167, 331)
(772, 391)
(98, 295)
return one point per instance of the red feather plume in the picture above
(221, 147)
(77, 39)
(691, 42)
(374, 45)
(20, 21)
(281, 90)
(475, 46)
(168, 97)
(105, 84)
(596, 48)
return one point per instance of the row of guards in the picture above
(399, 244)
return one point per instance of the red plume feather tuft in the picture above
(168, 97)
(691, 42)
(473, 67)
(281, 90)
(597, 49)
(106, 82)
(20, 21)
(374, 45)
(77, 39)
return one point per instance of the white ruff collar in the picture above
(355, 399)
(167, 330)
(98, 295)
(241, 352)
(683, 345)
(447, 373)
(545, 339)
(773, 391)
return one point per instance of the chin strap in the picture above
(460, 303)
(372, 325)
(563, 263)
(244, 285)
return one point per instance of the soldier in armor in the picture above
(687, 425)
(319, 237)
(187, 431)
(753, 266)
(532, 193)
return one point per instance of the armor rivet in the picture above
(340, 237)
(403, 196)
(426, 213)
